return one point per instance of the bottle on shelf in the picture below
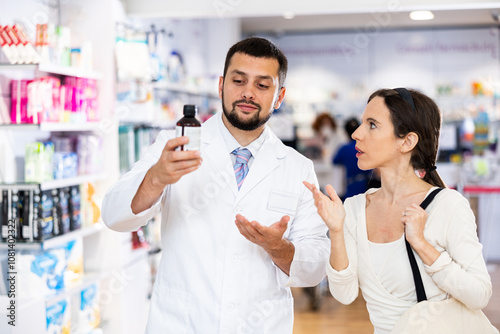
(189, 126)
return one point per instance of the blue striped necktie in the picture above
(241, 165)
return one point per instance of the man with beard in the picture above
(238, 226)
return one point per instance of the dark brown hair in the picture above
(321, 118)
(425, 121)
(260, 48)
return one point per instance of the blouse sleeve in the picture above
(460, 270)
(343, 284)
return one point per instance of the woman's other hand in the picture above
(414, 218)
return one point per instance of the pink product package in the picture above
(35, 97)
(51, 103)
(46, 100)
(84, 98)
(68, 98)
(19, 101)
(92, 100)
(35, 101)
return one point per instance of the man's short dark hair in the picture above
(260, 48)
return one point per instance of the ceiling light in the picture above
(421, 15)
(288, 15)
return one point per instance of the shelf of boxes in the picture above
(54, 241)
(54, 127)
(59, 183)
(185, 90)
(72, 181)
(35, 307)
(55, 69)
(69, 71)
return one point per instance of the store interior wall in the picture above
(338, 71)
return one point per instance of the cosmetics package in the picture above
(8, 47)
(22, 57)
(58, 316)
(74, 208)
(5, 43)
(48, 219)
(5, 213)
(31, 55)
(63, 210)
(19, 101)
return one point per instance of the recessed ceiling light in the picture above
(288, 15)
(421, 15)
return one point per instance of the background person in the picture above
(399, 136)
(238, 226)
(326, 131)
(356, 181)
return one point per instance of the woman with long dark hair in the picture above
(399, 135)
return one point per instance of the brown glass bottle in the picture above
(189, 126)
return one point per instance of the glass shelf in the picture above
(185, 90)
(60, 183)
(54, 126)
(55, 69)
(54, 241)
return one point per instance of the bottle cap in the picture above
(190, 110)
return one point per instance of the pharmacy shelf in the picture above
(87, 280)
(72, 181)
(73, 127)
(76, 287)
(20, 127)
(55, 69)
(167, 125)
(54, 241)
(185, 90)
(69, 71)
(27, 67)
(54, 126)
(54, 184)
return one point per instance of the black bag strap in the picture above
(419, 285)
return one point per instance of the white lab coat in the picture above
(211, 279)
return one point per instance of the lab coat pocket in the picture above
(170, 311)
(282, 203)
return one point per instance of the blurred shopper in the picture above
(356, 179)
(326, 131)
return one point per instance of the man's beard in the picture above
(248, 125)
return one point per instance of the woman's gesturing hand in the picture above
(330, 208)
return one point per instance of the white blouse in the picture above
(459, 271)
(387, 256)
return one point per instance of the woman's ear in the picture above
(409, 142)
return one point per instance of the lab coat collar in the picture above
(214, 148)
(211, 131)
